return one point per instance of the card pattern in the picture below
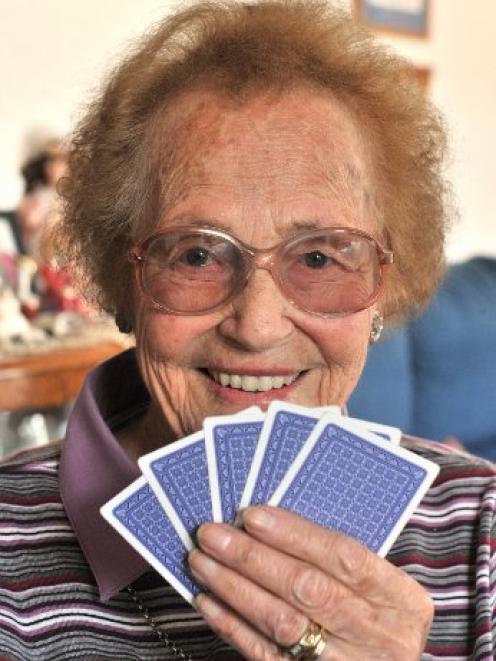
(183, 475)
(352, 486)
(143, 517)
(234, 449)
(287, 436)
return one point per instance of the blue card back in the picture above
(286, 438)
(145, 525)
(234, 447)
(347, 483)
(182, 473)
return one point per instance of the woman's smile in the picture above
(251, 382)
(253, 387)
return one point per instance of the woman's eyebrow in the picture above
(304, 225)
(211, 223)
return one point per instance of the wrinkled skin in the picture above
(264, 169)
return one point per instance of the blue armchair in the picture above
(436, 376)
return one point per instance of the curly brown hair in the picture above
(234, 47)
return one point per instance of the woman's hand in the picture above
(268, 582)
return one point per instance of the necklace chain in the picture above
(169, 644)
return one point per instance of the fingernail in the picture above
(207, 606)
(201, 565)
(213, 537)
(259, 517)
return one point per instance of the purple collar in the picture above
(94, 467)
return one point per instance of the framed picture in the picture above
(409, 17)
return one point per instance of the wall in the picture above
(53, 52)
(461, 52)
(52, 56)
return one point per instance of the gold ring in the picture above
(311, 644)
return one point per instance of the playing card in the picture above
(136, 515)
(355, 482)
(230, 444)
(285, 430)
(178, 474)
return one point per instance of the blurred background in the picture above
(53, 55)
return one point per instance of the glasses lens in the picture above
(191, 272)
(331, 272)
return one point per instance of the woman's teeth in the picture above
(252, 383)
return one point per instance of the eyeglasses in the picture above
(190, 270)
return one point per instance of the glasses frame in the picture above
(259, 258)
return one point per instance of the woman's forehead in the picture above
(263, 150)
(205, 123)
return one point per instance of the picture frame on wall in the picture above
(407, 17)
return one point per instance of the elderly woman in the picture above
(235, 149)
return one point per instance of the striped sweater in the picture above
(50, 607)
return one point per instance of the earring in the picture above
(376, 328)
(122, 323)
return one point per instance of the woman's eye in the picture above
(316, 259)
(196, 257)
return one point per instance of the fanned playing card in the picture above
(355, 482)
(285, 430)
(230, 444)
(137, 515)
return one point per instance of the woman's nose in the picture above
(260, 317)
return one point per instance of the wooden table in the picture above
(51, 378)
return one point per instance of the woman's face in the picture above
(259, 169)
